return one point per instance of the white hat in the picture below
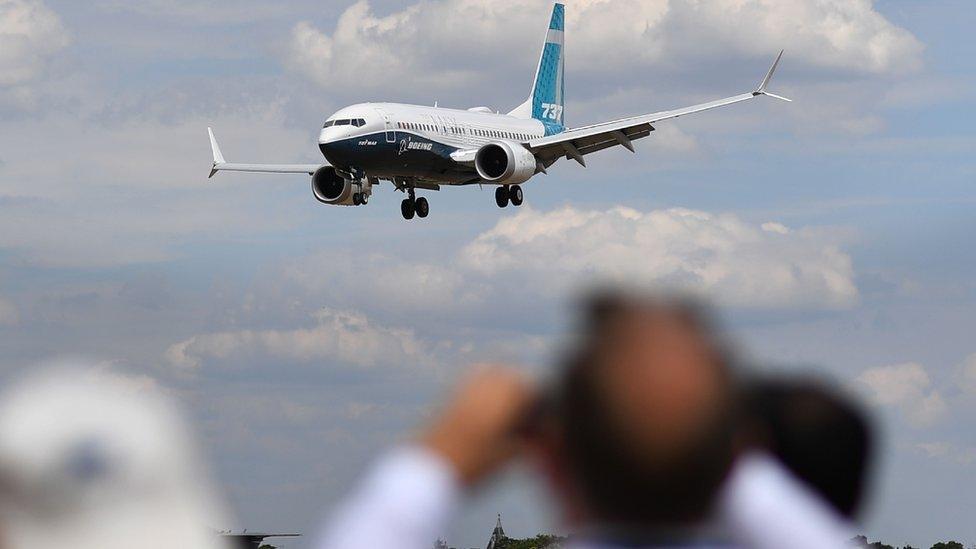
(95, 461)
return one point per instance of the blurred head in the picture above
(821, 436)
(97, 461)
(643, 414)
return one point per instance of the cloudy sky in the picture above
(836, 232)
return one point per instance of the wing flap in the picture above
(591, 142)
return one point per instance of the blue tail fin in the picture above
(546, 102)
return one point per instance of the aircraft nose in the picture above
(328, 141)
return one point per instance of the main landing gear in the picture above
(414, 206)
(360, 199)
(504, 195)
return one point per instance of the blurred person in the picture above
(647, 430)
(642, 424)
(637, 440)
(92, 460)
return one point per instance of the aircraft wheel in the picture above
(364, 199)
(422, 207)
(357, 199)
(501, 197)
(407, 208)
(515, 195)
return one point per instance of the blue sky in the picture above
(836, 230)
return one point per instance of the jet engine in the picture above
(331, 188)
(505, 163)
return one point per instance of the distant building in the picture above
(499, 540)
(497, 535)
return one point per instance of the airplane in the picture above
(419, 147)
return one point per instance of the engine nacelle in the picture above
(505, 163)
(331, 188)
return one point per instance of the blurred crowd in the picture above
(650, 433)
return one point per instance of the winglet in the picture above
(761, 90)
(218, 157)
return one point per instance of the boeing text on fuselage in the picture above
(417, 147)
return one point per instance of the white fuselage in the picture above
(390, 140)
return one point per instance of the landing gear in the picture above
(408, 208)
(515, 195)
(422, 207)
(501, 197)
(412, 206)
(504, 195)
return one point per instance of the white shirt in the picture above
(409, 497)
(765, 507)
(405, 502)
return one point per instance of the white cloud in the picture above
(722, 256)
(850, 34)
(9, 315)
(908, 388)
(30, 34)
(441, 42)
(535, 258)
(338, 337)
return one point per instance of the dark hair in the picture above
(821, 436)
(619, 485)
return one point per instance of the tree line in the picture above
(862, 541)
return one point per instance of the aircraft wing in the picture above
(578, 142)
(220, 165)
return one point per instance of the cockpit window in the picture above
(358, 122)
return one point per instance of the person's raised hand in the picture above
(478, 431)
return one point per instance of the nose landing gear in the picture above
(504, 195)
